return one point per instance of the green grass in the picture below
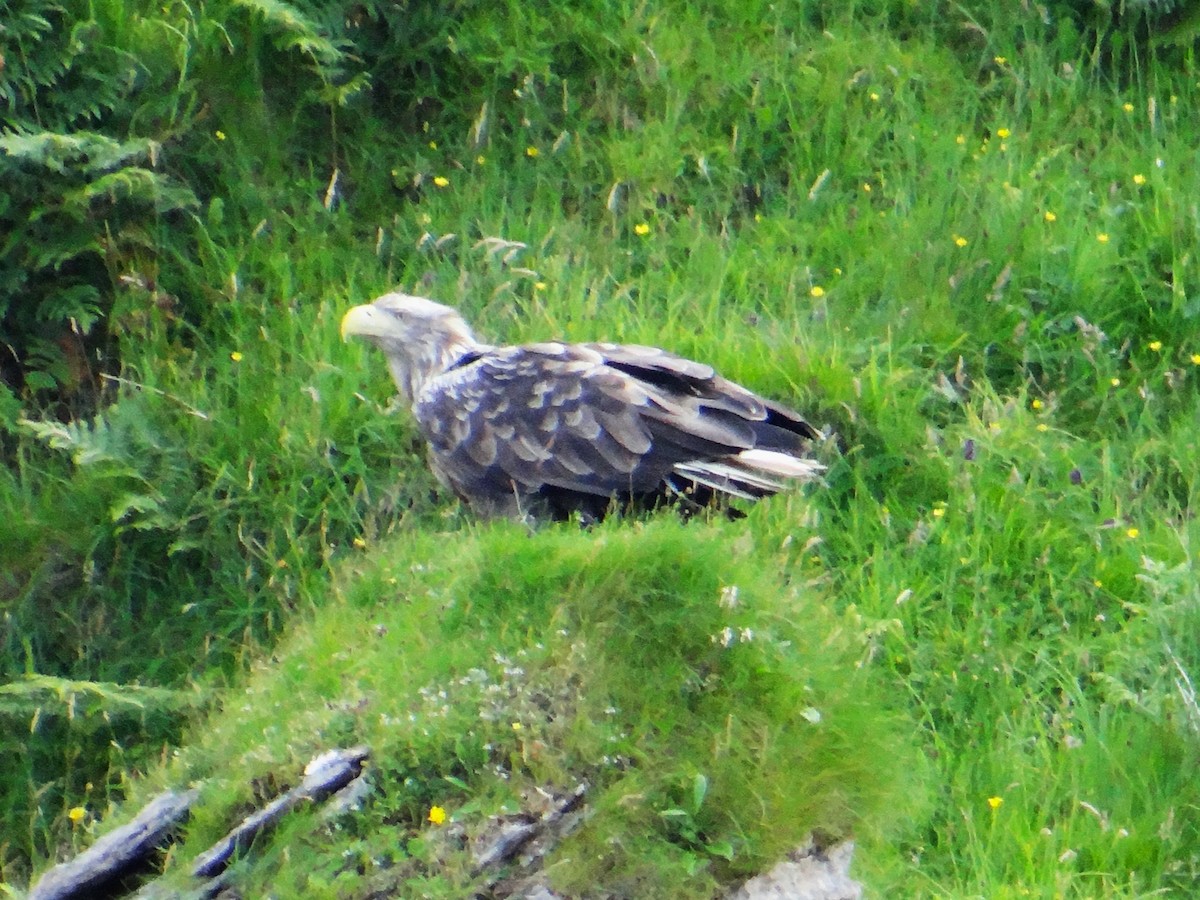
(517, 662)
(969, 251)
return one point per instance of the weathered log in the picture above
(513, 836)
(117, 853)
(325, 775)
(809, 873)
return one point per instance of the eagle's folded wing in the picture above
(599, 419)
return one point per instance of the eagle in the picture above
(555, 430)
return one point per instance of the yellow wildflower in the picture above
(236, 356)
(220, 135)
(995, 802)
(480, 159)
(1002, 133)
(517, 726)
(1139, 179)
(531, 151)
(641, 229)
(1042, 426)
(539, 285)
(76, 814)
(1115, 382)
(1097, 583)
(1155, 345)
(960, 241)
(816, 291)
(874, 96)
(1131, 533)
(437, 815)
(1128, 107)
(866, 187)
(441, 181)
(1000, 60)
(939, 511)
(1036, 404)
(360, 543)
(961, 139)
(1196, 359)
(433, 145)
(1050, 217)
(1102, 237)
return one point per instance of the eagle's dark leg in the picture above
(563, 505)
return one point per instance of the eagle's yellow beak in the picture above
(361, 321)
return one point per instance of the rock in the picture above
(809, 873)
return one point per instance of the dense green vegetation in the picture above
(963, 237)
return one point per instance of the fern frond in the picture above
(59, 68)
(130, 183)
(78, 303)
(85, 151)
(87, 442)
(88, 700)
(296, 31)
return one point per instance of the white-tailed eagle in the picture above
(553, 429)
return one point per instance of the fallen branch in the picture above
(115, 854)
(325, 775)
(513, 836)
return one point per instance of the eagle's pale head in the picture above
(419, 337)
(400, 319)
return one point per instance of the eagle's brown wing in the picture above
(678, 375)
(508, 427)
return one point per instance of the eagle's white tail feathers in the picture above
(726, 480)
(780, 464)
(751, 473)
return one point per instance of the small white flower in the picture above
(724, 637)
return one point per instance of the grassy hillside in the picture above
(715, 714)
(962, 237)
